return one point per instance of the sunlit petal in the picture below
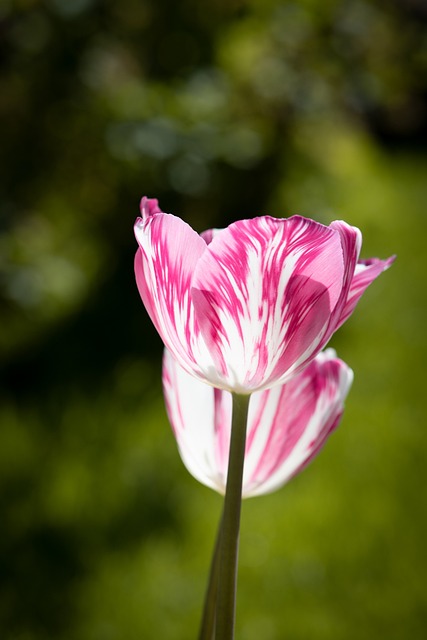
(264, 292)
(290, 424)
(164, 265)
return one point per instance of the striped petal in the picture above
(164, 265)
(200, 416)
(365, 273)
(287, 425)
(263, 292)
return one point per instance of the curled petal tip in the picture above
(365, 273)
(385, 264)
(149, 207)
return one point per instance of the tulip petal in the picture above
(263, 293)
(287, 425)
(201, 421)
(290, 424)
(164, 265)
(365, 273)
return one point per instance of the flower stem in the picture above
(207, 627)
(229, 546)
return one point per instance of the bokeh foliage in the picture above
(221, 109)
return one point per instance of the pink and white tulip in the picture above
(287, 425)
(248, 307)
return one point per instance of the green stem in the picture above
(226, 603)
(207, 627)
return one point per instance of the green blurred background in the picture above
(222, 109)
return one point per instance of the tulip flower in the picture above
(248, 307)
(287, 425)
(244, 313)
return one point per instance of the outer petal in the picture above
(366, 272)
(200, 416)
(287, 425)
(263, 292)
(164, 265)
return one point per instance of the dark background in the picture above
(221, 109)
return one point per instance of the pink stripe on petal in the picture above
(257, 411)
(143, 281)
(291, 407)
(307, 326)
(222, 429)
